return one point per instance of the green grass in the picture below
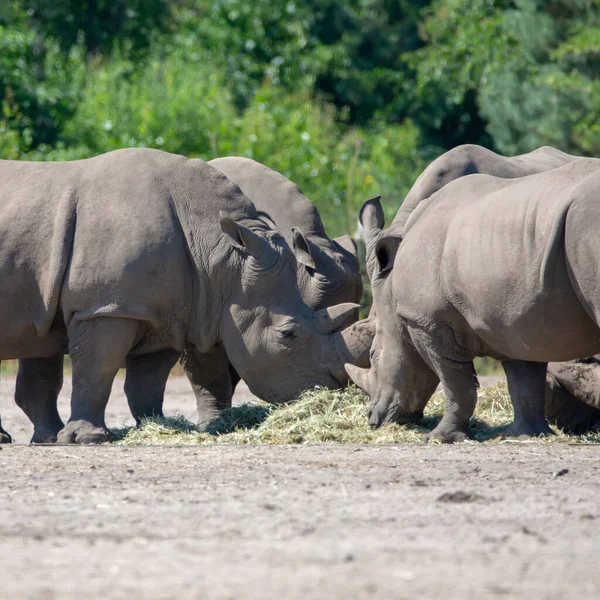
(324, 416)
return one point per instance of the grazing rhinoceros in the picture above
(328, 273)
(131, 254)
(487, 267)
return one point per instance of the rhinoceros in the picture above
(467, 159)
(486, 266)
(573, 394)
(138, 253)
(328, 274)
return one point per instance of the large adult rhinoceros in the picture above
(486, 266)
(328, 273)
(131, 254)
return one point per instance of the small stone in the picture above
(559, 473)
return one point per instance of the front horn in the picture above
(334, 318)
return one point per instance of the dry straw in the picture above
(323, 417)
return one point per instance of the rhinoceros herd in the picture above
(140, 258)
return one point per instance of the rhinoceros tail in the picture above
(60, 248)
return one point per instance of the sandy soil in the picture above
(514, 520)
(300, 522)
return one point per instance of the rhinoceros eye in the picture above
(289, 332)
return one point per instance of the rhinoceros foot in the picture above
(523, 429)
(44, 436)
(449, 434)
(5, 437)
(82, 432)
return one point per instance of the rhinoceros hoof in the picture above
(43, 437)
(448, 435)
(82, 432)
(5, 438)
(525, 429)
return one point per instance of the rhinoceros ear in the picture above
(359, 376)
(334, 318)
(348, 244)
(371, 215)
(385, 252)
(302, 249)
(245, 239)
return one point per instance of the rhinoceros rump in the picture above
(130, 253)
(486, 266)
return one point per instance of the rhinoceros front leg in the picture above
(39, 382)
(98, 348)
(460, 384)
(213, 380)
(527, 388)
(145, 380)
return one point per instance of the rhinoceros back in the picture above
(273, 195)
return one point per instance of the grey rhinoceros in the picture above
(135, 253)
(467, 159)
(485, 267)
(573, 394)
(328, 274)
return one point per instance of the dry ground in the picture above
(509, 520)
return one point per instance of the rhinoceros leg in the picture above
(527, 386)
(213, 380)
(4, 435)
(39, 382)
(98, 347)
(460, 384)
(145, 380)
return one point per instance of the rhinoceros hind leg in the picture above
(145, 380)
(98, 348)
(39, 382)
(460, 384)
(526, 386)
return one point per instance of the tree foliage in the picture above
(349, 99)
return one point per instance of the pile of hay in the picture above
(324, 416)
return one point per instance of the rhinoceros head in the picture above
(278, 344)
(399, 382)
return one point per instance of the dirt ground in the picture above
(512, 520)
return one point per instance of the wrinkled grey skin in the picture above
(130, 254)
(486, 267)
(459, 162)
(328, 273)
(573, 395)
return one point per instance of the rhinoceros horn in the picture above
(334, 318)
(359, 376)
(351, 345)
